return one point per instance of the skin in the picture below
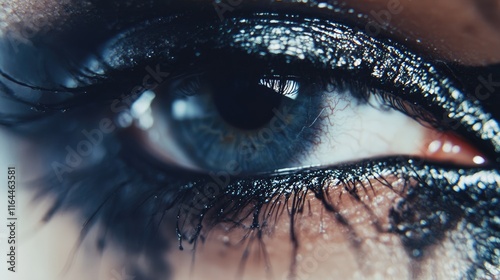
(462, 31)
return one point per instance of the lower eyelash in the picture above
(431, 201)
(133, 202)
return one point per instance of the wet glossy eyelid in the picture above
(261, 190)
(325, 44)
(291, 39)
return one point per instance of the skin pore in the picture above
(460, 31)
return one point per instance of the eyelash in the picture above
(171, 193)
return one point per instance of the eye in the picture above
(264, 141)
(265, 120)
(275, 109)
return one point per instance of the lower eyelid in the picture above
(153, 195)
(416, 205)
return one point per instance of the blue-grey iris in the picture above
(260, 122)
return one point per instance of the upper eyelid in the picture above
(433, 86)
(130, 15)
(405, 62)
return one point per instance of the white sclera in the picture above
(354, 131)
(349, 130)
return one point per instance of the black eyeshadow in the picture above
(322, 44)
(130, 194)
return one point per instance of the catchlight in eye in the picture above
(266, 123)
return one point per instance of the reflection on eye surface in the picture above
(272, 145)
(202, 121)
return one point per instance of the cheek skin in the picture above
(328, 249)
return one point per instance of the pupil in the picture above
(245, 104)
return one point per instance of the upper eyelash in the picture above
(401, 72)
